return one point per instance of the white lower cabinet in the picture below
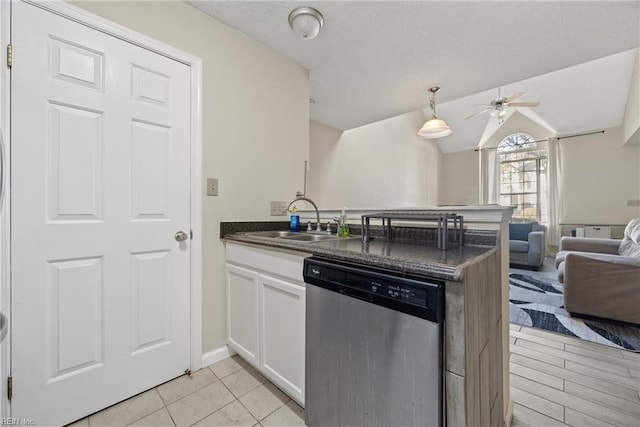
(266, 313)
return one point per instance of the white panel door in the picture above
(100, 186)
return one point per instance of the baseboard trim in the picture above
(213, 356)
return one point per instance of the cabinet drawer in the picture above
(286, 264)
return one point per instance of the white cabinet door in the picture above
(282, 330)
(242, 312)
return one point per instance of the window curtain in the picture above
(554, 192)
(489, 176)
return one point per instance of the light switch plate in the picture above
(278, 208)
(212, 186)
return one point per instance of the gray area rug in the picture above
(539, 303)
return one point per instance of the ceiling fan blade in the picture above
(479, 112)
(523, 104)
(513, 97)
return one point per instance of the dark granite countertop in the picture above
(403, 257)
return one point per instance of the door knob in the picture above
(181, 236)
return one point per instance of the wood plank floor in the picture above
(558, 380)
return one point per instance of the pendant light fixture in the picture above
(434, 127)
(306, 22)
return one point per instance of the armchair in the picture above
(601, 277)
(527, 244)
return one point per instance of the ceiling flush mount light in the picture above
(306, 22)
(434, 127)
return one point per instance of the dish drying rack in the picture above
(442, 219)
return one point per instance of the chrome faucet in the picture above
(318, 228)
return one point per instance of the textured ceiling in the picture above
(376, 59)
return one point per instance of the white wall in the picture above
(600, 175)
(255, 131)
(383, 164)
(631, 123)
(518, 123)
(460, 175)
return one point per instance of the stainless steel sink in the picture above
(311, 237)
(272, 234)
(290, 235)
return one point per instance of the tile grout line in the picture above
(582, 384)
(238, 400)
(571, 399)
(610, 393)
(532, 379)
(590, 366)
(523, 404)
(595, 401)
(279, 407)
(219, 409)
(217, 379)
(166, 407)
(188, 394)
(284, 404)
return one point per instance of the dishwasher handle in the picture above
(355, 293)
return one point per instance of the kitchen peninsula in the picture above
(475, 275)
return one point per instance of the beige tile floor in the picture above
(228, 393)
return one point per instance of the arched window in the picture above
(523, 177)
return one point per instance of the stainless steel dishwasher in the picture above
(373, 347)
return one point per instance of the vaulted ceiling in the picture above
(376, 59)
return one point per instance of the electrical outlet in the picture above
(278, 208)
(212, 186)
(633, 202)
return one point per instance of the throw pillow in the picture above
(520, 230)
(630, 245)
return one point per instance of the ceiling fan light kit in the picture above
(434, 127)
(498, 107)
(500, 112)
(306, 22)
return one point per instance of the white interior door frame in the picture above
(88, 19)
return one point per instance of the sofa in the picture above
(527, 244)
(601, 277)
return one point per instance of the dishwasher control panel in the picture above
(389, 287)
(421, 297)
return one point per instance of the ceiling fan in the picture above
(498, 106)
